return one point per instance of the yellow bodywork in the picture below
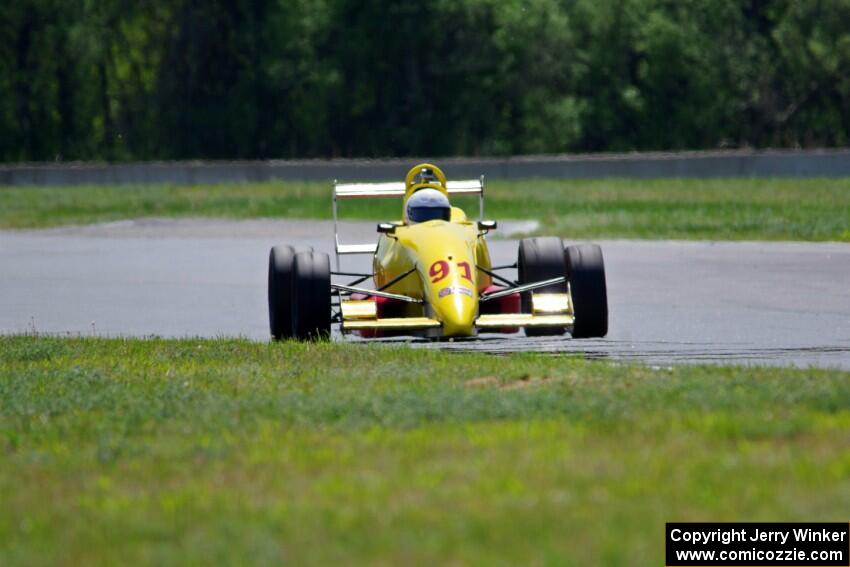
(445, 259)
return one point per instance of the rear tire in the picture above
(311, 306)
(280, 290)
(586, 271)
(541, 259)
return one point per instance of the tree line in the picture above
(230, 79)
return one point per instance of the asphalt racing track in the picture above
(772, 303)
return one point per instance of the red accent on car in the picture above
(385, 308)
(500, 305)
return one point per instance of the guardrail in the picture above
(737, 163)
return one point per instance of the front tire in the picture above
(311, 306)
(586, 271)
(541, 259)
(281, 260)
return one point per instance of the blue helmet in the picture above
(428, 204)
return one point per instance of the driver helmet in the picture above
(428, 204)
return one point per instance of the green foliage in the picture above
(114, 80)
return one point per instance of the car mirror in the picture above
(386, 228)
(487, 225)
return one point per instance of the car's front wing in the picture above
(549, 310)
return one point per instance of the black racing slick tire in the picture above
(311, 307)
(541, 259)
(281, 260)
(586, 274)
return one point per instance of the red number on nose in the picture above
(438, 270)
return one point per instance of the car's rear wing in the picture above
(391, 189)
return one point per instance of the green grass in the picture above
(727, 209)
(167, 452)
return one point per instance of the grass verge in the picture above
(727, 209)
(173, 452)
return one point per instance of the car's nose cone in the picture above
(456, 310)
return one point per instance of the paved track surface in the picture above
(670, 302)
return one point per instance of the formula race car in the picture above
(433, 277)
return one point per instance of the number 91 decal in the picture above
(439, 270)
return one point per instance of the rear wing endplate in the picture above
(391, 189)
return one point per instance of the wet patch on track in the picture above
(648, 352)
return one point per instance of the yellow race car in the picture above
(433, 276)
